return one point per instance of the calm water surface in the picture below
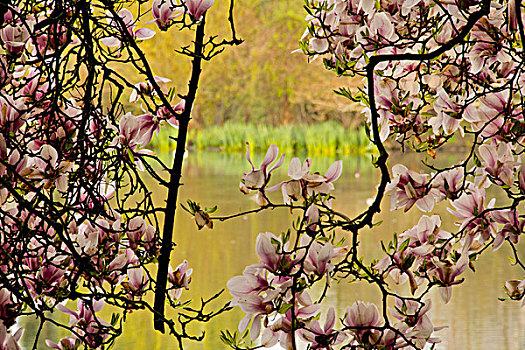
(475, 319)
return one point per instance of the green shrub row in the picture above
(325, 138)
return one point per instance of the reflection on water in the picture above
(475, 319)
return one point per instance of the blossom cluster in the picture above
(75, 216)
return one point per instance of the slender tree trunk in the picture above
(174, 184)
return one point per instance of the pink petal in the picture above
(330, 320)
(144, 33)
(271, 155)
(294, 169)
(334, 171)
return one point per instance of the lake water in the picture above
(475, 319)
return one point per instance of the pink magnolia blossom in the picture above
(11, 119)
(137, 281)
(141, 89)
(16, 36)
(449, 183)
(362, 318)
(9, 341)
(197, 8)
(521, 178)
(408, 188)
(293, 189)
(316, 183)
(469, 208)
(127, 18)
(488, 117)
(323, 337)
(410, 311)
(8, 308)
(512, 228)
(281, 330)
(257, 179)
(66, 343)
(164, 12)
(250, 282)
(267, 251)
(49, 278)
(312, 218)
(446, 272)
(515, 289)
(179, 279)
(47, 167)
(86, 322)
(150, 123)
(362, 314)
(499, 162)
(447, 111)
(319, 257)
(138, 231)
(304, 184)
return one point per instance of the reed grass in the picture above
(326, 138)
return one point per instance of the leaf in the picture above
(285, 307)
(211, 210)
(115, 317)
(404, 245)
(286, 236)
(186, 209)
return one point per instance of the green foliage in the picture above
(327, 138)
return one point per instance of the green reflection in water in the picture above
(474, 317)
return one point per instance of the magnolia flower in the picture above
(52, 171)
(66, 343)
(499, 162)
(15, 37)
(469, 208)
(408, 188)
(126, 18)
(446, 272)
(515, 289)
(138, 231)
(281, 330)
(447, 117)
(250, 282)
(9, 341)
(312, 218)
(179, 279)
(197, 8)
(257, 179)
(512, 228)
(86, 322)
(316, 183)
(48, 278)
(410, 311)
(319, 257)
(449, 183)
(137, 281)
(203, 219)
(323, 337)
(11, 119)
(303, 183)
(164, 12)
(267, 251)
(362, 314)
(521, 178)
(362, 318)
(143, 88)
(8, 308)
